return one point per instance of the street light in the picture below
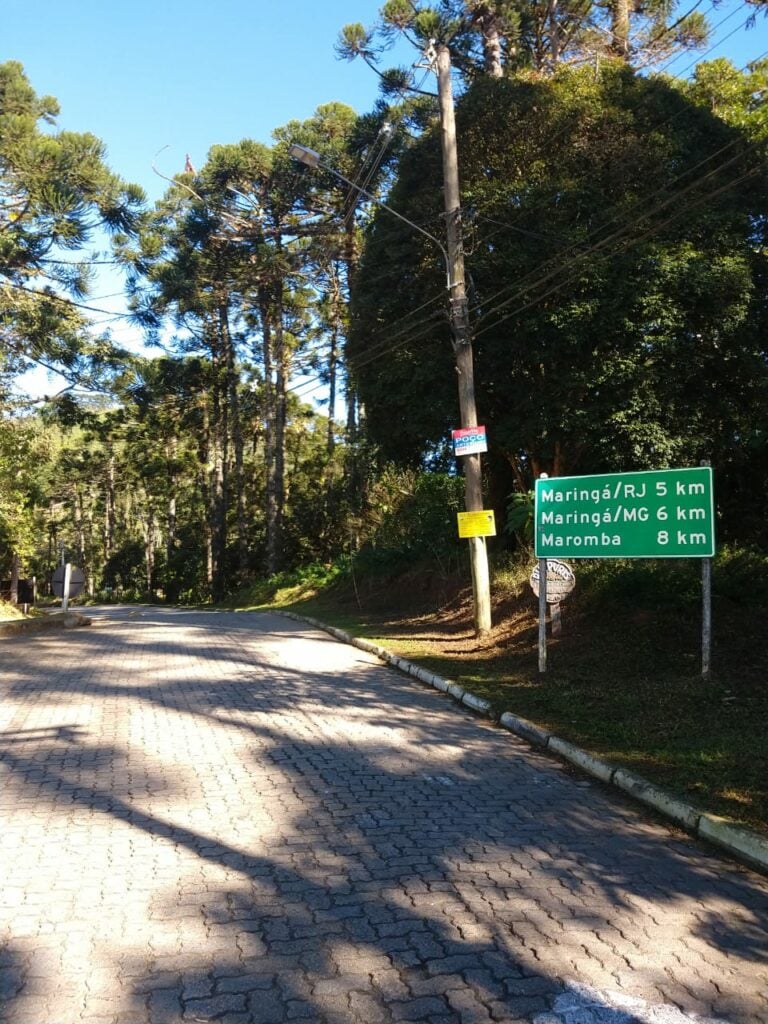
(313, 159)
(454, 272)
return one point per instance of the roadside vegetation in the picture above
(9, 612)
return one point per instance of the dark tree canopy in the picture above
(615, 236)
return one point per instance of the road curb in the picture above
(743, 844)
(54, 620)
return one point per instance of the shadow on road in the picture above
(405, 862)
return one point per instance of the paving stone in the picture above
(417, 1009)
(297, 1009)
(365, 1008)
(248, 982)
(164, 1004)
(268, 1007)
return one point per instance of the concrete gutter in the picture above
(741, 843)
(42, 623)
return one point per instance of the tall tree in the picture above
(56, 194)
(618, 268)
(505, 37)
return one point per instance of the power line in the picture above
(671, 27)
(580, 257)
(610, 255)
(701, 56)
(60, 298)
(409, 339)
(667, 122)
(383, 346)
(629, 243)
(623, 213)
(385, 349)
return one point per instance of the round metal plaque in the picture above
(76, 582)
(560, 580)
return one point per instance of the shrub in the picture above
(412, 513)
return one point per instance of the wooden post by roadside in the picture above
(557, 619)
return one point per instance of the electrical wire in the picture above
(380, 352)
(671, 27)
(60, 298)
(609, 238)
(427, 329)
(383, 345)
(671, 60)
(386, 339)
(666, 123)
(622, 213)
(629, 244)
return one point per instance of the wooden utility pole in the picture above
(462, 339)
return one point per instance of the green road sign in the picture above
(666, 513)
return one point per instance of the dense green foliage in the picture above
(617, 250)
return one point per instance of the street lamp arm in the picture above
(312, 159)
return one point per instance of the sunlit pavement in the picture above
(213, 816)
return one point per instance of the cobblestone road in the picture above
(232, 817)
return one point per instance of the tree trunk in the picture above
(352, 468)
(204, 485)
(333, 355)
(492, 49)
(149, 546)
(15, 572)
(620, 28)
(91, 550)
(281, 417)
(219, 469)
(173, 483)
(488, 22)
(270, 487)
(237, 444)
(555, 45)
(514, 462)
(109, 508)
(80, 533)
(276, 382)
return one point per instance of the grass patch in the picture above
(623, 679)
(9, 612)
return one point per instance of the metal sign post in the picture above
(706, 615)
(67, 582)
(559, 582)
(542, 615)
(706, 607)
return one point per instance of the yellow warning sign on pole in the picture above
(477, 524)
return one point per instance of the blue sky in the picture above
(187, 75)
(146, 75)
